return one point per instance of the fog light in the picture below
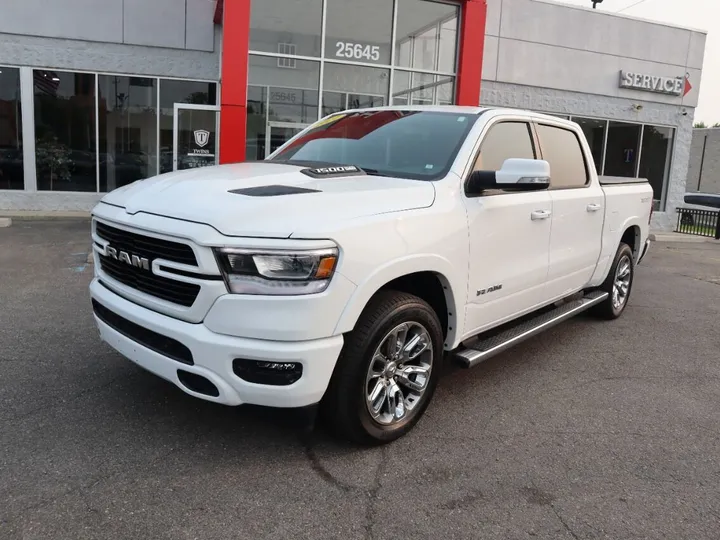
(269, 373)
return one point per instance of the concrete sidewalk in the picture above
(664, 236)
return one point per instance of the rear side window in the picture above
(503, 141)
(561, 149)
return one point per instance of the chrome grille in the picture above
(171, 290)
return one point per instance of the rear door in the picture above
(578, 209)
(509, 235)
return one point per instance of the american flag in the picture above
(46, 82)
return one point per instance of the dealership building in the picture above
(94, 95)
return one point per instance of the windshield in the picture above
(409, 144)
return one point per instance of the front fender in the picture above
(443, 268)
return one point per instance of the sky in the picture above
(695, 14)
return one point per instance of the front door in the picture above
(509, 236)
(278, 133)
(195, 140)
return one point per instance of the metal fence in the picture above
(698, 222)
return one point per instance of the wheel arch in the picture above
(430, 278)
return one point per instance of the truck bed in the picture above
(620, 180)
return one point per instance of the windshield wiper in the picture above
(374, 172)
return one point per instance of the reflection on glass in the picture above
(595, 134)
(175, 91)
(426, 36)
(65, 131)
(655, 160)
(353, 87)
(622, 149)
(411, 88)
(334, 102)
(286, 27)
(196, 138)
(11, 148)
(408, 144)
(504, 140)
(256, 120)
(277, 95)
(127, 118)
(561, 149)
(359, 30)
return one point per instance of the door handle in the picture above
(593, 207)
(540, 214)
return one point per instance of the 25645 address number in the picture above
(357, 51)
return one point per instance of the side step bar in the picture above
(482, 349)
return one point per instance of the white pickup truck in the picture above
(340, 273)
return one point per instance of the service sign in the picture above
(674, 86)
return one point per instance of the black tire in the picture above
(344, 406)
(608, 309)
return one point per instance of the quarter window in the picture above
(561, 149)
(504, 141)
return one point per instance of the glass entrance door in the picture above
(195, 141)
(278, 133)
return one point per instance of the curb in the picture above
(681, 238)
(42, 215)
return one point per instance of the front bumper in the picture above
(213, 356)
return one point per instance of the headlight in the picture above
(248, 271)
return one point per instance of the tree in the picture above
(716, 124)
(54, 157)
(700, 125)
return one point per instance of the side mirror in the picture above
(515, 175)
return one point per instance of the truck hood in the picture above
(282, 201)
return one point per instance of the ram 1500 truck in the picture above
(343, 270)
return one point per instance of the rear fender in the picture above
(611, 242)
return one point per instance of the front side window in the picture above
(561, 149)
(504, 140)
(409, 144)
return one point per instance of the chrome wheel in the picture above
(399, 373)
(621, 284)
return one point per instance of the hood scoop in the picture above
(272, 191)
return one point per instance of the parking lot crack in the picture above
(564, 523)
(322, 471)
(373, 494)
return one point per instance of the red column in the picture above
(234, 79)
(472, 44)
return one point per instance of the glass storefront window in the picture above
(283, 89)
(65, 131)
(621, 154)
(288, 27)
(127, 118)
(256, 120)
(410, 88)
(281, 102)
(11, 148)
(426, 35)
(177, 91)
(655, 158)
(359, 31)
(595, 134)
(353, 87)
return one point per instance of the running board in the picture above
(482, 349)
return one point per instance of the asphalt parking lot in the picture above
(593, 430)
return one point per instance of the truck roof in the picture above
(461, 109)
